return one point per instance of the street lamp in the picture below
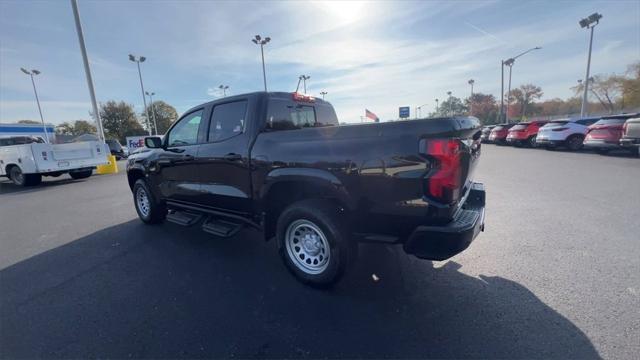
(471, 82)
(31, 73)
(153, 110)
(436, 106)
(304, 79)
(450, 108)
(419, 108)
(323, 93)
(224, 89)
(589, 23)
(509, 62)
(138, 60)
(258, 40)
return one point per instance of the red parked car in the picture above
(605, 134)
(499, 133)
(524, 133)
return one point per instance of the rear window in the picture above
(498, 128)
(610, 121)
(289, 115)
(556, 123)
(520, 127)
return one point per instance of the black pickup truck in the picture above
(279, 162)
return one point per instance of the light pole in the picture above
(138, 60)
(471, 82)
(450, 108)
(589, 23)
(224, 89)
(323, 93)
(419, 108)
(87, 70)
(304, 79)
(437, 106)
(31, 73)
(258, 40)
(509, 62)
(153, 111)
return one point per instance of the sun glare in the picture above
(344, 11)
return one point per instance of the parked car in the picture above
(280, 163)
(117, 150)
(631, 135)
(524, 133)
(604, 135)
(484, 137)
(567, 133)
(25, 159)
(499, 133)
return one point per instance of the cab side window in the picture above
(227, 120)
(185, 132)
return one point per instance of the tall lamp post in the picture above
(304, 79)
(224, 89)
(589, 23)
(323, 93)
(437, 106)
(153, 111)
(138, 60)
(450, 108)
(509, 62)
(419, 108)
(471, 82)
(258, 40)
(31, 73)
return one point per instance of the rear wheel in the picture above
(77, 175)
(574, 142)
(149, 209)
(531, 142)
(314, 243)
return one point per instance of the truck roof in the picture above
(271, 94)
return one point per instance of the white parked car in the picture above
(25, 159)
(567, 133)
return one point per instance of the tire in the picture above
(574, 142)
(531, 141)
(325, 249)
(77, 175)
(150, 211)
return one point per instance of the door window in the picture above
(227, 120)
(186, 130)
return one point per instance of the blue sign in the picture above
(404, 112)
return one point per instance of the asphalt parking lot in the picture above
(555, 275)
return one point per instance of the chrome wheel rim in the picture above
(142, 201)
(307, 247)
(18, 176)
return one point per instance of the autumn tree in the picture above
(484, 107)
(165, 115)
(452, 106)
(525, 97)
(119, 120)
(76, 128)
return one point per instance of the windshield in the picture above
(556, 123)
(610, 122)
(520, 127)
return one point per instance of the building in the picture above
(17, 129)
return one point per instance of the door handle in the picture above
(233, 157)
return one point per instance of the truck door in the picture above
(224, 158)
(176, 166)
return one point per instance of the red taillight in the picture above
(444, 182)
(303, 97)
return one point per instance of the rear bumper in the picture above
(549, 142)
(629, 142)
(601, 144)
(445, 241)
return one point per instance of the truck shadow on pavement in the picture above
(8, 187)
(169, 292)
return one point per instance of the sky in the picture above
(376, 55)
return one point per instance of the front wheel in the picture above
(313, 242)
(574, 142)
(19, 178)
(149, 210)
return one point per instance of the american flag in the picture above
(370, 115)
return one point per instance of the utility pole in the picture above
(31, 73)
(262, 42)
(323, 93)
(471, 82)
(138, 60)
(153, 111)
(87, 70)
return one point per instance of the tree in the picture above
(29, 122)
(78, 127)
(452, 106)
(165, 115)
(119, 120)
(524, 97)
(631, 87)
(484, 107)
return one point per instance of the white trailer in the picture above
(26, 163)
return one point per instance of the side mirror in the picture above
(153, 142)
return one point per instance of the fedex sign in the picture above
(134, 142)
